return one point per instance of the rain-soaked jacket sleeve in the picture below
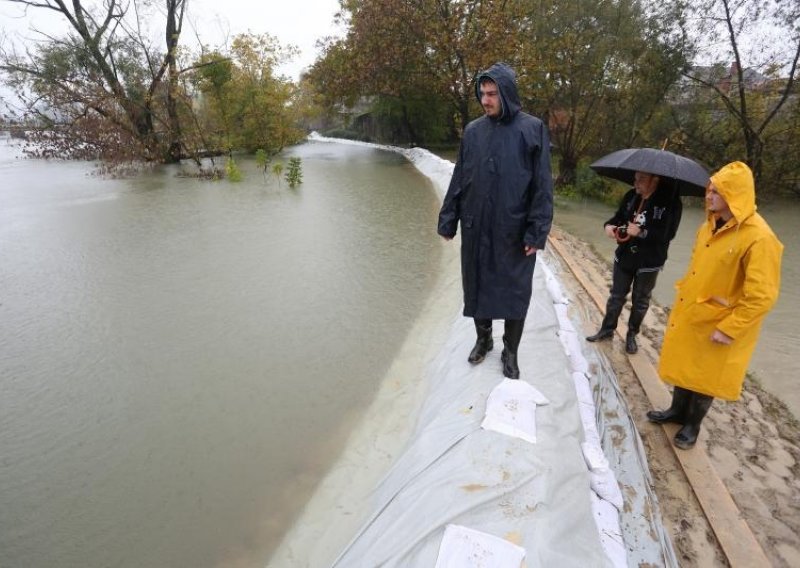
(622, 213)
(762, 282)
(540, 212)
(451, 207)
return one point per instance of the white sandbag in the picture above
(463, 547)
(607, 519)
(604, 484)
(511, 409)
(595, 458)
(562, 313)
(572, 347)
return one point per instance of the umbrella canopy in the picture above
(688, 176)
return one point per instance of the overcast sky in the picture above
(297, 22)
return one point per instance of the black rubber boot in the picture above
(613, 309)
(484, 343)
(630, 343)
(601, 335)
(511, 339)
(638, 311)
(641, 293)
(676, 413)
(697, 409)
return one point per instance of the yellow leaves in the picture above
(244, 104)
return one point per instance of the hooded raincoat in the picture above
(732, 282)
(502, 194)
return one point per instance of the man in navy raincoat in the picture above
(502, 194)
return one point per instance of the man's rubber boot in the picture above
(609, 324)
(483, 344)
(676, 413)
(601, 335)
(630, 343)
(635, 323)
(511, 340)
(697, 409)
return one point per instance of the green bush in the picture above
(589, 184)
(294, 173)
(262, 159)
(232, 170)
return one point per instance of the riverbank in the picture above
(753, 444)
(536, 495)
(340, 504)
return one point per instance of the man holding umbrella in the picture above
(643, 226)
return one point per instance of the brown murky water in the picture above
(180, 360)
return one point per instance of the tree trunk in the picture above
(409, 127)
(567, 169)
(173, 32)
(463, 111)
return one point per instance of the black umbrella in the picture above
(688, 176)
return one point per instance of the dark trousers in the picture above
(623, 280)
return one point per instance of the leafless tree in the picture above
(758, 45)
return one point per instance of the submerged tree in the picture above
(294, 173)
(103, 89)
(243, 105)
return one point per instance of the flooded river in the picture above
(181, 360)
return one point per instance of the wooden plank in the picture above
(734, 535)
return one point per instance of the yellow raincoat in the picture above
(732, 282)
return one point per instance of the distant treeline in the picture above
(604, 74)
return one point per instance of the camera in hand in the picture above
(621, 234)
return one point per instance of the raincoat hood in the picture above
(506, 81)
(735, 184)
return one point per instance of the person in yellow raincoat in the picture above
(732, 282)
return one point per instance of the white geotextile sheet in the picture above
(454, 472)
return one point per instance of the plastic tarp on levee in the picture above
(557, 498)
(547, 471)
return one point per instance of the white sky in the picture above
(297, 22)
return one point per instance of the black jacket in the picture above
(502, 194)
(658, 217)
